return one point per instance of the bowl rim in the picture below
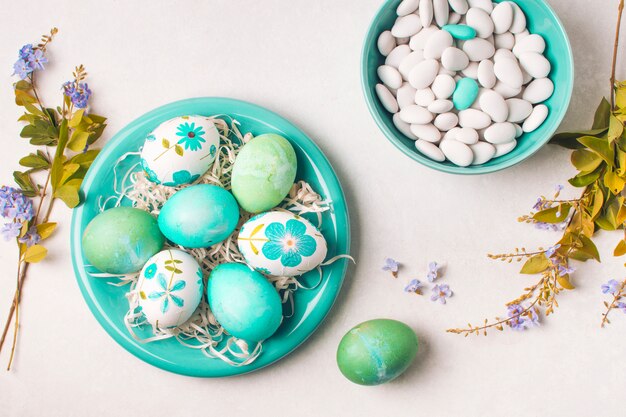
(391, 136)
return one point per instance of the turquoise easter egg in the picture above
(120, 240)
(462, 32)
(376, 351)
(199, 216)
(244, 302)
(264, 172)
(465, 93)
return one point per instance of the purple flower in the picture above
(559, 188)
(565, 269)
(26, 51)
(37, 59)
(433, 271)
(10, 230)
(441, 293)
(392, 266)
(517, 322)
(31, 237)
(414, 286)
(539, 204)
(14, 205)
(78, 93)
(610, 287)
(552, 250)
(22, 68)
(621, 306)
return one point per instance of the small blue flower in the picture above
(441, 293)
(14, 205)
(433, 271)
(264, 271)
(78, 93)
(559, 188)
(391, 265)
(150, 138)
(26, 51)
(37, 59)
(621, 306)
(191, 136)
(521, 320)
(414, 286)
(31, 237)
(610, 287)
(150, 271)
(10, 230)
(565, 270)
(152, 176)
(199, 275)
(539, 204)
(166, 295)
(289, 243)
(181, 177)
(22, 68)
(552, 250)
(212, 150)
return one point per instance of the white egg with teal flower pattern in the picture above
(281, 243)
(180, 150)
(170, 288)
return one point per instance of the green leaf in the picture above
(23, 85)
(23, 180)
(589, 248)
(564, 281)
(76, 118)
(616, 128)
(536, 264)
(45, 229)
(22, 97)
(35, 253)
(165, 143)
(553, 215)
(569, 139)
(57, 163)
(585, 160)
(601, 146)
(179, 150)
(34, 161)
(69, 195)
(85, 159)
(613, 182)
(608, 219)
(97, 119)
(68, 170)
(583, 179)
(603, 113)
(78, 141)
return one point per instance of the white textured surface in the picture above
(301, 59)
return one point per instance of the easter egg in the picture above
(170, 288)
(376, 351)
(199, 216)
(180, 150)
(263, 173)
(244, 302)
(120, 240)
(281, 243)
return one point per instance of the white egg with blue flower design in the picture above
(170, 288)
(280, 243)
(180, 150)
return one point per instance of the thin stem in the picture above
(620, 10)
(616, 297)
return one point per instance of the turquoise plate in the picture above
(107, 303)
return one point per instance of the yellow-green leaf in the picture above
(179, 150)
(620, 249)
(77, 118)
(68, 170)
(536, 264)
(584, 179)
(614, 182)
(69, 195)
(616, 128)
(78, 141)
(165, 143)
(585, 160)
(35, 253)
(598, 202)
(603, 112)
(601, 146)
(565, 282)
(589, 248)
(45, 229)
(554, 214)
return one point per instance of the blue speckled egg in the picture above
(199, 216)
(244, 302)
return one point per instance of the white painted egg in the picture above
(170, 288)
(180, 150)
(280, 243)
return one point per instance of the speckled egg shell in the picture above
(280, 243)
(199, 216)
(376, 351)
(180, 150)
(244, 302)
(120, 240)
(170, 288)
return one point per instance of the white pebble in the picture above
(502, 17)
(453, 59)
(454, 18)
(527, 77)
(419, 40)
(423, 74)
(430, 150)
(467, 135)
(386, 43)
(458, 153)
(473, 118)
(407, 7)
(441, 12)
(443, 86)
(518, 130)
(536, 118)
(521, 35)
(396, 56)
(506, 90)
(427, 132)
(426, 12)
(539, 90)
(406, 26)
(494, 105)
(483, 152)
(503, 54)
(409, 62)
(480, 21)
(443, 71)
(446, 121)
(499, 133)
(504, 40)
(508, 72)
(531, 43)
(486, 74)
(451, 134)
(519, 110)
(440, 106)
(478, 49)
(403, 127)
(403, 41)
(405, 95)
(386, 98)
(519, 19)
(416, 115)
(389, 76)
(471, 71)
(436, 44)
(505, 148)
(459, 6)
(486, 5)
(535, 64)
(424, 97)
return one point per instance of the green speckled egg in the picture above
(199, 216)
(264, 172)
(244, 302)
(376, 351)
(121, 240)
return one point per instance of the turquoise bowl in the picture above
(107, 303)
(541, 20)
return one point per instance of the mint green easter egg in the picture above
(199, 216)
(376, 351)
(462, 32)
(121, 240)
(465, 93)
(264, 172)
(244, 302)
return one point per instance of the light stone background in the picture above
(301, 59)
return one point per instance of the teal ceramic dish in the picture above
(541, 20)
(107, 302)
